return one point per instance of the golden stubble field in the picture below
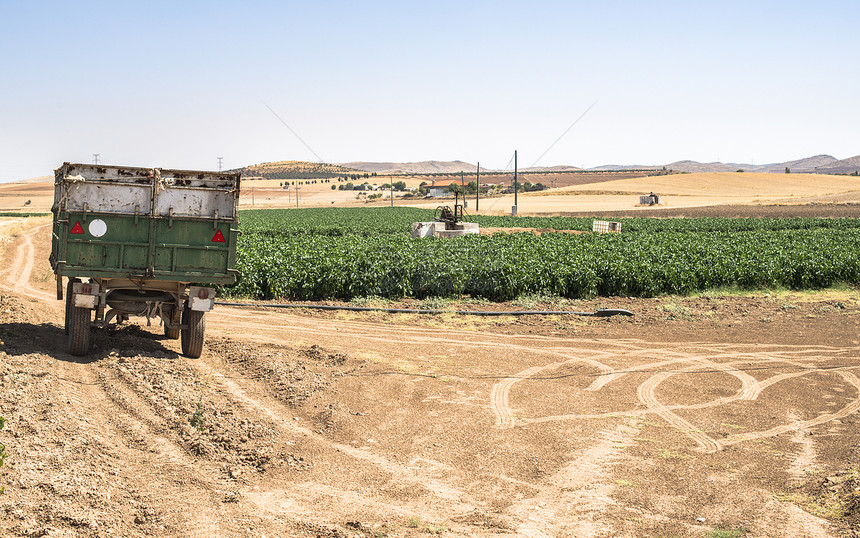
(677, 191)
(680, 191)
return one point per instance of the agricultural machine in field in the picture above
(142, 242)
(446, 222)
(446, 216)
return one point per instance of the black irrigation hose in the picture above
(601, 313)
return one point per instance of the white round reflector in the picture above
(98, 228)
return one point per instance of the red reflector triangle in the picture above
(76, 229)
(219, 237)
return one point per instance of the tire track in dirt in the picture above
(100, 418)
(804, 460)
(499, 393)
(749, 392)
(6, 222)
(575, 499)
(645, 393)
(17, 276)
(499, 397)
(147, 423)
(851, 408)
(276, 414)
(13, 270)
(445, 486)
(100, 408)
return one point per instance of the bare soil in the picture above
(696, 414)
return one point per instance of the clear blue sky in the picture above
(178, 84)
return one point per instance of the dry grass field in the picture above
(677, 191)
(740, 186)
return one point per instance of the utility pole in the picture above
(516, 186)
(391, 184)
(463, 187)
(219, 163)
(477, 185)
(96, 158)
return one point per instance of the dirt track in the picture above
(723, 412)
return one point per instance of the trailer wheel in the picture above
(79, 321)
(192, 336)
(69, 304)
(171, 334)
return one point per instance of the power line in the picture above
(320, 159)
(564, 133)
(508, 166)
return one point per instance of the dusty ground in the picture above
(695, 415)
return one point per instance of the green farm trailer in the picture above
(145, 242)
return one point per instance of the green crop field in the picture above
(343, 253)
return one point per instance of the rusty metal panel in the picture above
(127, 222)
(109, 198)
(194, 202)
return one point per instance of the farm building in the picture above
(438, 189)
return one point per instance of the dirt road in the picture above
(695, 415)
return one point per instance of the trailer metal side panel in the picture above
(125, 222)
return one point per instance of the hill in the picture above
(850, 165)
(558, 168)
(423, 167)
(294, 170)
(695, 167)
(607, 167)
(809, 164)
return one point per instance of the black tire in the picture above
(171, 334)
(69, 302)
(79, 330)
(192, 337)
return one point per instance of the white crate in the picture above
(605, 226)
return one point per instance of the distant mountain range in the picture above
(809, 164)
(818, 164)
(850, 165)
